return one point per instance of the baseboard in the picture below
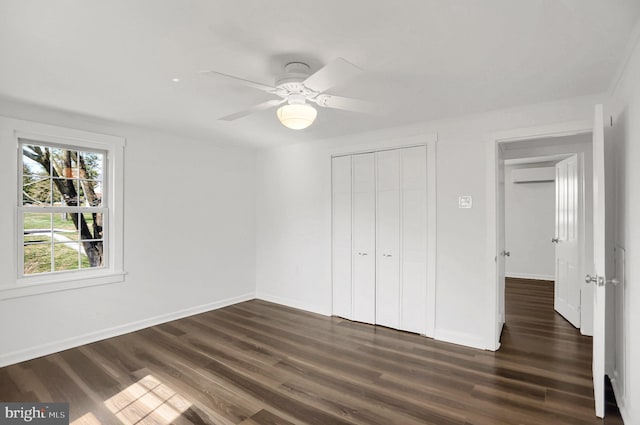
(292, 303)
(56, 346)
(462, 338)
(620, 401)
(530, 276)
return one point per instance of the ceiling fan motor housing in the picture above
(294, 74)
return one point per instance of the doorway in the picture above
(601, 278)
(545, 187)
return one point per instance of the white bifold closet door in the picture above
(363, 238)
(341, 235)
(388, 238)
(413, 239)
(380, 238)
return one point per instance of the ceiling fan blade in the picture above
(259, 107)
(248, 83)
(332, 74)
(348, 104)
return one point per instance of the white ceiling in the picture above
(428, 59)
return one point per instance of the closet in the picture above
(379, 240)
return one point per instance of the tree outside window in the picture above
(63, 208)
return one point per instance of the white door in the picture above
(413, 247)
(388, 238)
(341, 235)
(599, 276)
(568, 277)
(363, 238)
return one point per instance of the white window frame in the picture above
(113, 169)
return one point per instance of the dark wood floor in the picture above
(260, 363)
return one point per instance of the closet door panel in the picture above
(413, 187)
(363, 237)
(388, 238)
(341, 228)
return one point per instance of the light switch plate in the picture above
(465, 201)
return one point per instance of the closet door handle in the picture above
(362, 253)
(387, 255)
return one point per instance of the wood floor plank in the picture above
(258, 363)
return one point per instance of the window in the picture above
(69, 209)
(63, 212)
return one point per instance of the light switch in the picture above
(465, 201)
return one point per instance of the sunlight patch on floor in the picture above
(87, 419)
(147, 401)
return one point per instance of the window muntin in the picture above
(63, 208)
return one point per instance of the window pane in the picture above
(64, 227)
(91, 254)
(95, 224)
(91, 165)
(37, 238)
(90, 193)
(37, 224)
(36, 191)
(62, 188)
(65, 256)
(65, 162)
(33, 158)
(65, 192)
(37, 258)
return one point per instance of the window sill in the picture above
(29, 286)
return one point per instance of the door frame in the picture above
(381, 143)
(493, 142)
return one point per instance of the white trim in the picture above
(493, 141)
(530, 276)
(289, 302)
(64, 344)
(60, 282)
(623, 407)
(64, 136)
(432, 239)
(568, 128)
(113, 147)
(623, 65)
(462, 338)
(385, 144)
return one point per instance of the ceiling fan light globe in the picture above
(297, 116)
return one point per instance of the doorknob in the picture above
(591, 279)
(387, 255)
(554, 240)
(506, 253)
(597, 280)
(600, 281)
(362, 253)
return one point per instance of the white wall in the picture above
(189, 239)
(625, 107)
(293, 187)
(529, 226)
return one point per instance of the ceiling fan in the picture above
(297, 88)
